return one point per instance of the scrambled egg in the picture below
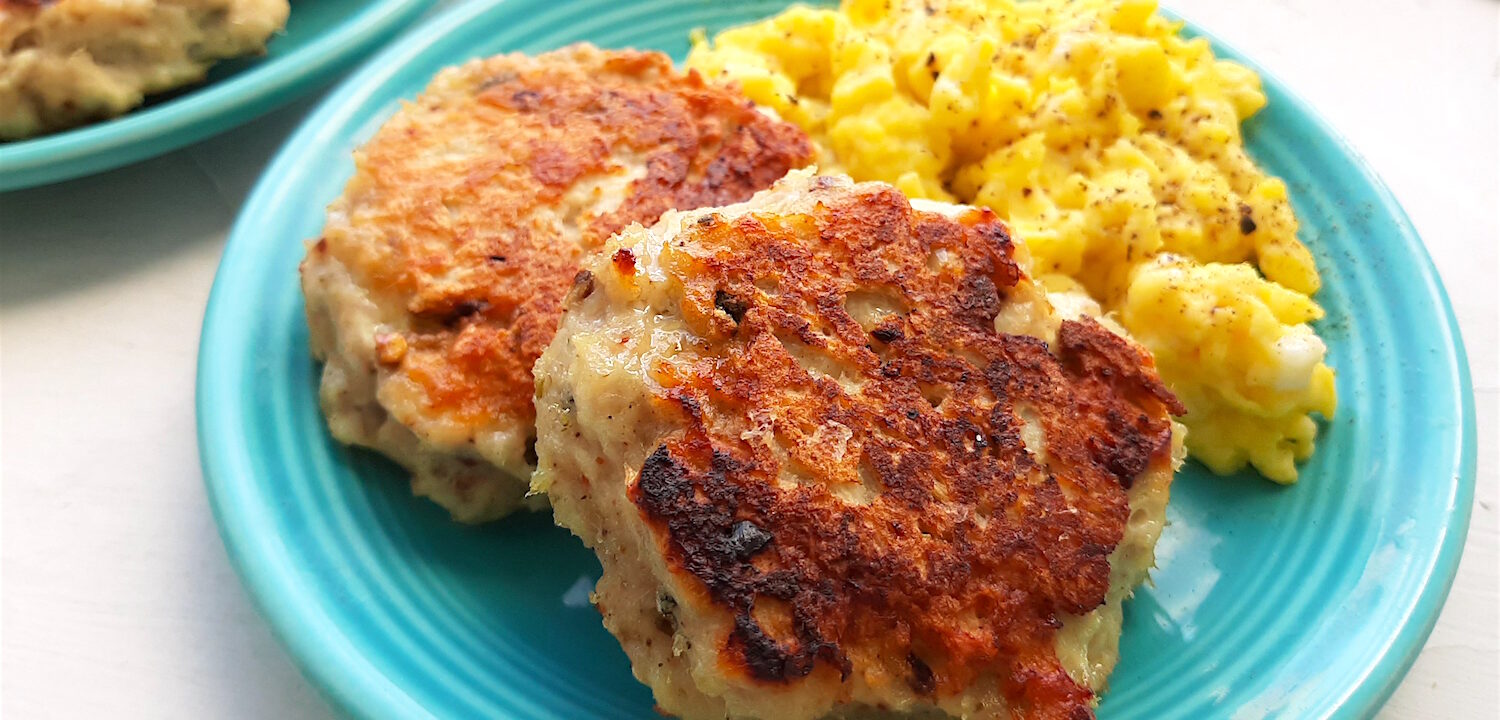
(1112, 145)
(1251, 370)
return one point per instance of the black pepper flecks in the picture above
(1247, 223)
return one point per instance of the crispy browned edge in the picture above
(553, 119)
(971, 549)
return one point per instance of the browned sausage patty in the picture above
(438, 277)
(68, 62)
(835, 453)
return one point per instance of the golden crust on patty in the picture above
(468, 215)
(68, 62)
(851, 488)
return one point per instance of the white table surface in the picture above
(118, 599)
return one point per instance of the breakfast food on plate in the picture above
(1108, 142)
(1248, 340)
(838, 453)
(68, 62)
(439, 275)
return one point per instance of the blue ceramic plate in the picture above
(1306, 601)
(322, 37)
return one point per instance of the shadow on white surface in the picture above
(120, 601)
(66, 236)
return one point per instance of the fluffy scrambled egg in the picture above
(1250, 369)
(1112, 145)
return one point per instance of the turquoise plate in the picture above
(1307, 601)
(322, 37)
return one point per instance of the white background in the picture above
(118, 598)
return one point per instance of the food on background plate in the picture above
(837, 452)
(68, 62)
(439, 275)
(1112, 146)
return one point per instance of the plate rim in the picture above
(205, 110)
(360, 692)
(1366, 699)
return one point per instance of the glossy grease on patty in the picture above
(838, 454)
(439, 275)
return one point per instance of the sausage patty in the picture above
(438, 278)
(69, 62)
(837, 453)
